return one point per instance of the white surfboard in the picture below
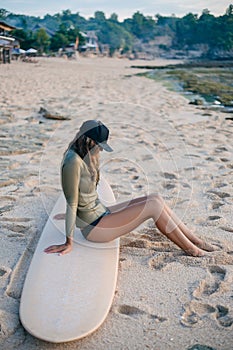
(65, 298)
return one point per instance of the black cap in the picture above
(98, 132)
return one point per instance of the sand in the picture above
(164, 299)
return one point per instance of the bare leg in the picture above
(125, 220)
(188, 233)
(185, 230)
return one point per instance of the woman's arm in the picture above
(70, 185)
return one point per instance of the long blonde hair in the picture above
(88, 150)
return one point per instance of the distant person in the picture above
(80, 176)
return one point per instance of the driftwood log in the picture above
(46, 114)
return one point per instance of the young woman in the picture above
(80, 176)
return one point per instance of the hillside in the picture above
(190, 36)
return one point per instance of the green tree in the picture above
(65, 36)
(63, 28)
(224, 30)
(20, 34)
(114, 18)
(229, 10)
(186, 31)
(58, 41)
(24, 24)
(166, 25)
(115, 36)
(142, 27)
(3, 13)
(100, 17)
(72, 34)
(42, 40)
(207, 30)
(66, 14)
(25, 38)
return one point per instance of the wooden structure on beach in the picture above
(6, 42)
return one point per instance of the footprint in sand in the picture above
(6, 208)
(212, 283)
(16, 227)
(129, 310)
(219, 194)
(195, 312)
(16, 219)
(210, 159)
(3, 271)
(217, 205)
(169, 185)
(16, 230)
(223, 317)
(135, 177)
(169, 176)
(214, 217)
(147, 157)
(214, 220)
(221, 149)
(224, 160)
(161, 260)
(133, 311)
(227, 228)
(138, 243)
(8, 198)
(150, 238)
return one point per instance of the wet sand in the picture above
(164, 299)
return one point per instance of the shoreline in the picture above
(166, 299)
(203, 83)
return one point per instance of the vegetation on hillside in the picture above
(207, 34)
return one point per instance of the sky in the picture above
(124, 8)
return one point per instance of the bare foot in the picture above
(60, 216)
(196, 252)
(207, 246)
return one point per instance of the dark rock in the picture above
(197, 102)
(200, 347)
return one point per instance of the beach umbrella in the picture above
(18, 51)
(31, 50)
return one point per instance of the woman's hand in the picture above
(62, 249)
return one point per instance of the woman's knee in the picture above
(156, 198)
(155, 205)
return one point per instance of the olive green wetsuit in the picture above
(83, 205)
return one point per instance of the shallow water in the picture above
(222, 78)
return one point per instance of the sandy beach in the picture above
(164, 299)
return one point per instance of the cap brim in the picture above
(105, 146)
